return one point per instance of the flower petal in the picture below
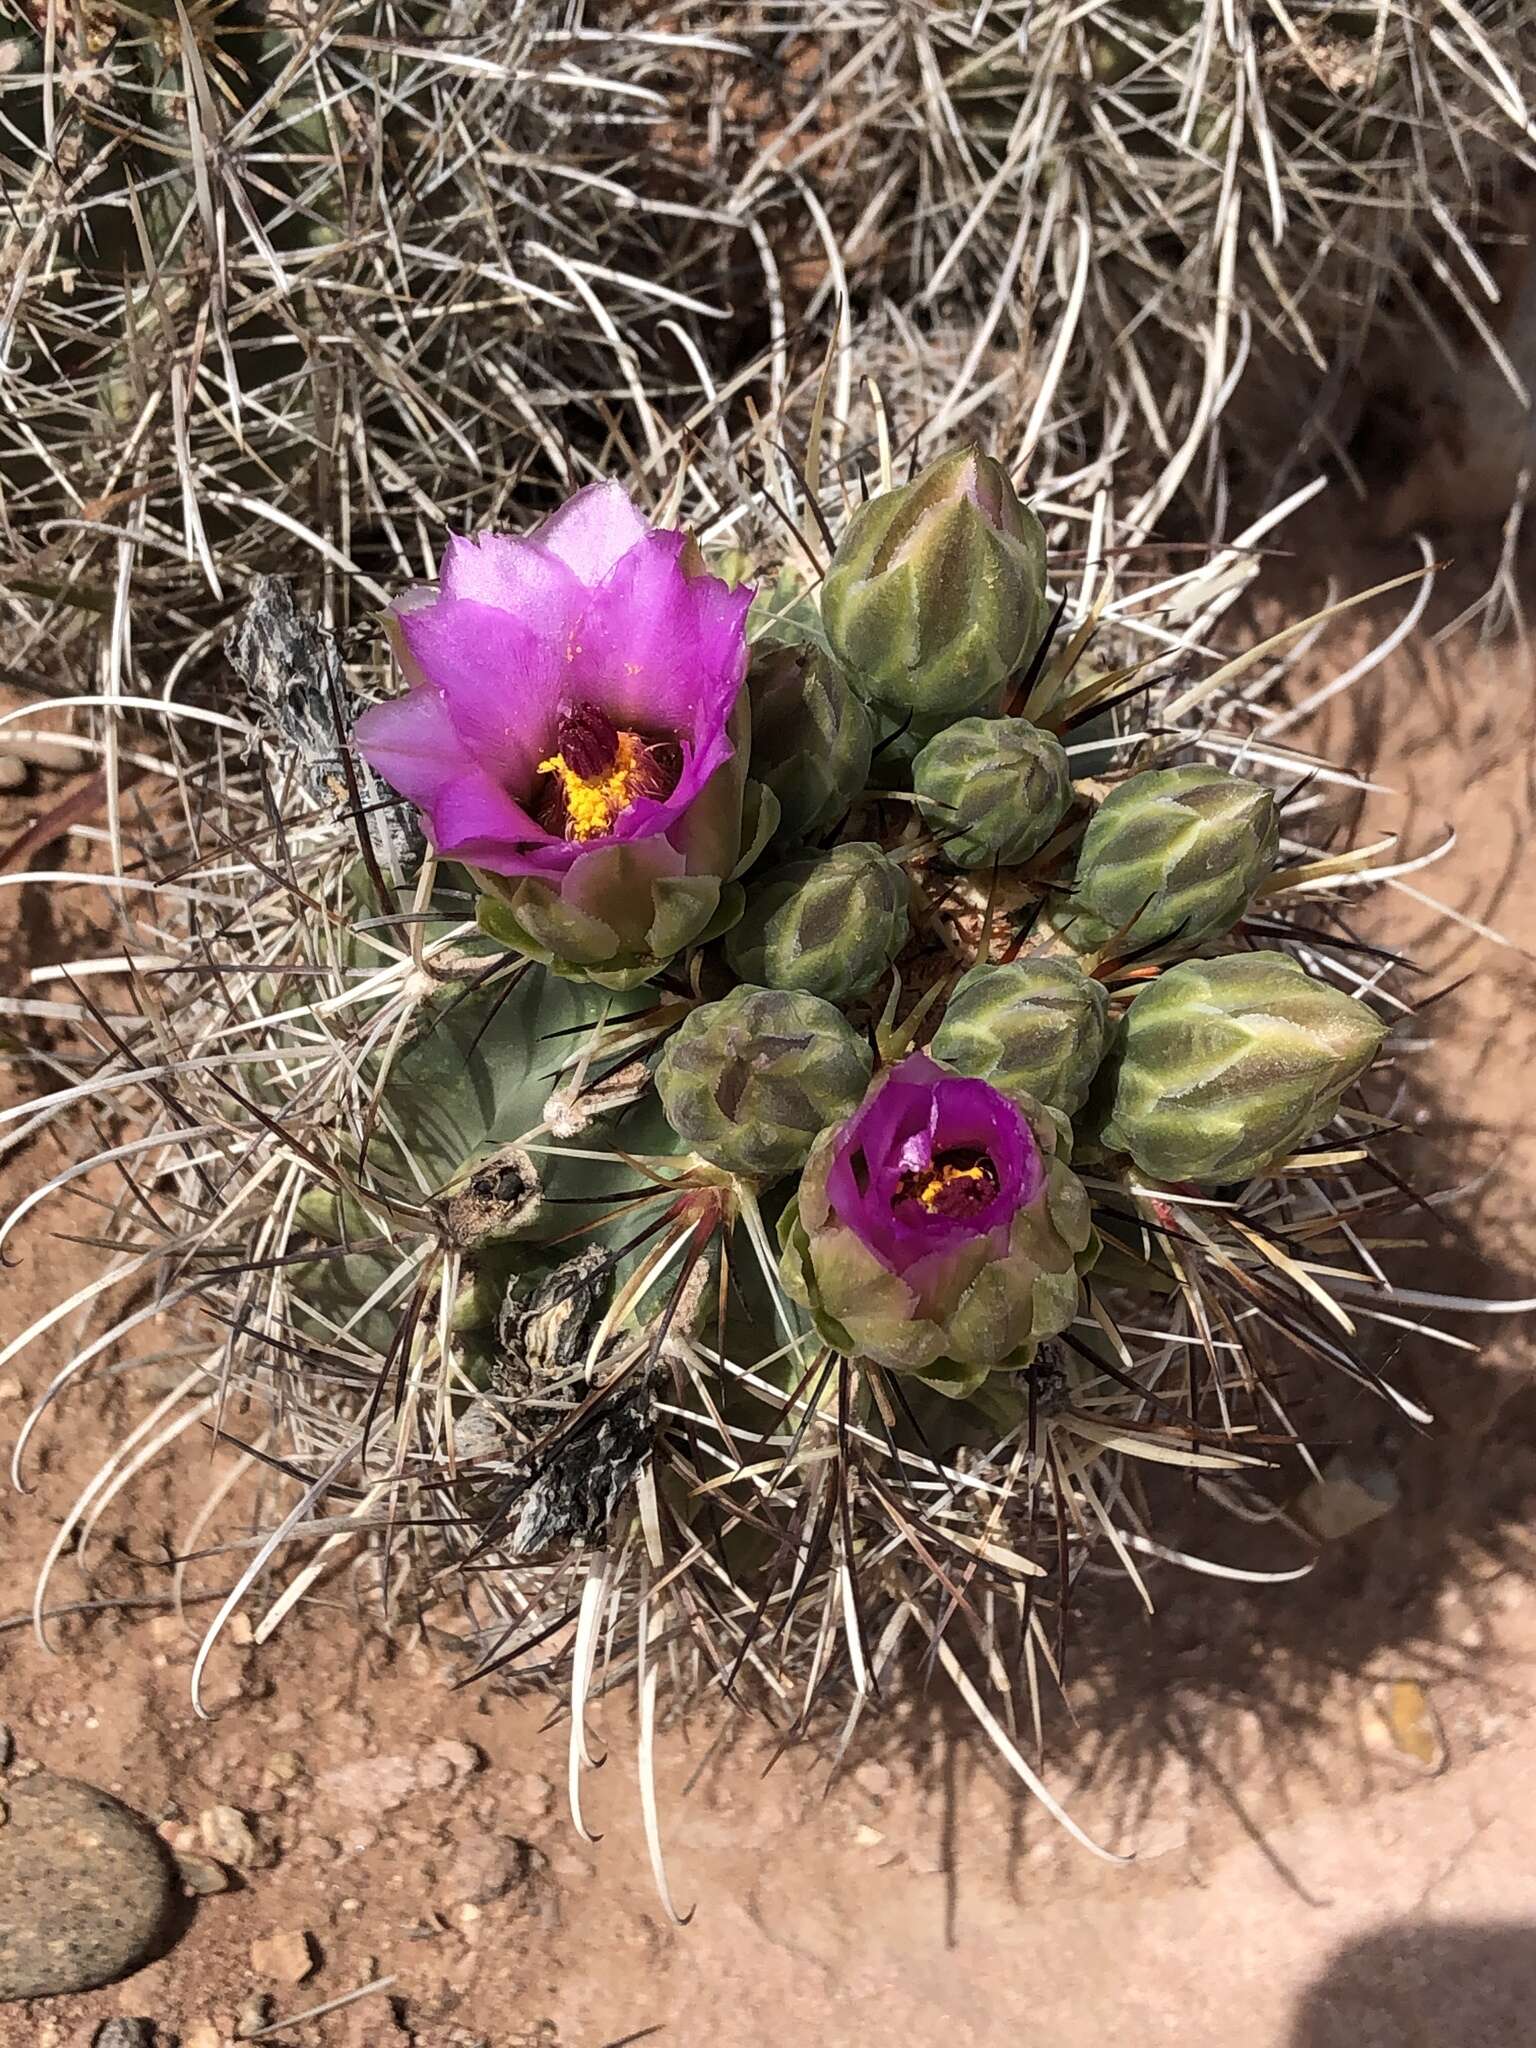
(514, 575)
(473, 819)
(413, 744)
(659, 649)
(500, 677)
(592, 530)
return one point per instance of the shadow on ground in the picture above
(1425, 1985)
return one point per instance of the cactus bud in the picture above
(1225, 1066)
(993, 789)
(829, 924)
(750, 1081)
(1174, 853)
(936, 593)
(811, 738)
(1030, 1027)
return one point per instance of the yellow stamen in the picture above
(932, 1190)
(592, 805)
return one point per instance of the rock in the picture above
(87, 1891)
(7, 1746)
(124, 2034)
(226, 1835)
(11, 1388)
(376, 1785)
(1397, 1721)
(202, 2034)
(253, 2016)
(446, 1763)
(486, 1869)
(200, 1875)
(1350, 1495)
(283, 1767)
(287, 1957)
(534, 1793)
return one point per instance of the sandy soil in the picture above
(1295, 1887)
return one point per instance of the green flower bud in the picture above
(993, 789)
(936, 593)
(811, 738)
(1175, 853)
(750, 1080)
(830, 923)
(1030, 1027)
(1225, 1066)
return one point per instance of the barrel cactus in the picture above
(692, 1194)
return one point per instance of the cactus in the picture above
(1225, 1066)
(1033, 1028)
(647, 1272)
(936, 593)
(750, 1081)
(829, 924)
(993, 789)
(1172, 854)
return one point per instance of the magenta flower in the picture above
(575, 732)
(930, 1163)
(937, 1231)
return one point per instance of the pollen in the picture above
(936, 1188)
(593, 803)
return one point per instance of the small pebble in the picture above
(1398, 1721)
(202, 2034)
(200, 1875)
(534, 1793)
(377, 1785)
(283, 1767)
(11, 1388)
(124, 2034)
(877, 1779)
(226, 1835)
(287, 1958)
(7, 1746)
(13, 774)
(253, 2016)
(87, 1890)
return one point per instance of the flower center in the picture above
(599, 770)
(951, 1184)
